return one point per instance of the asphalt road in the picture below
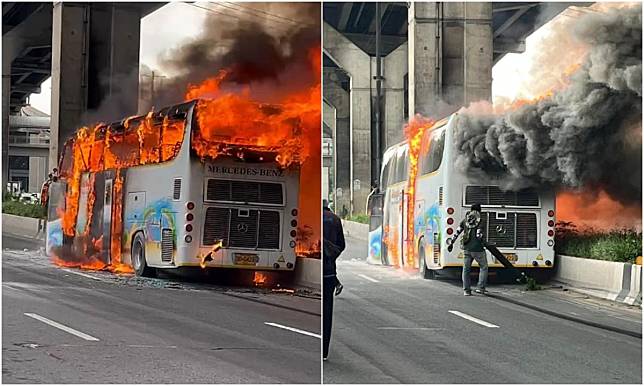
(120, 329)
(393, 327)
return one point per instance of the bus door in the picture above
(106, 216)
(374, 210)
(55, 207)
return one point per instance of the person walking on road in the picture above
(333, 237)
(473, 247)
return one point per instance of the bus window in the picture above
(385, 175)
(401, 161)
(391, 176)
(436, 150)
(406, 163)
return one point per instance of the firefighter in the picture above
(473, 247)
(333, 238)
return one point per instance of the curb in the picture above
(568, 317)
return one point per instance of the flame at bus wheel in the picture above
(259, 278)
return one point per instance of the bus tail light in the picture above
(293, 223)
(551, 233)
(551, 223)
(450, 221)
(294, 212)
(551, 243)
(293, 233)
(190, 205)
(188, 227)
(551, 213)
(450, 231)
(450, 210)
(189, 217)
(535, 263)
(548, 263)
(188, 238)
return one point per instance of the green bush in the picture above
(622, 245)
(361, 218)
(18, 208)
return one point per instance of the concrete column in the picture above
(6, 96)
(450, 56)
(357, 64)
(394, 71)
(70, 49)
(339, 99)
(95, 63)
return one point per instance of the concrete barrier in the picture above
(308, 273)
(621, 282)
(28, 227)
(355, 229)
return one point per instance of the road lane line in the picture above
(62, 327)
(368, 278)
(473, 319)
(82, 274)
(294, 330)
(409, 328)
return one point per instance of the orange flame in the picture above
(414, 132)
(259, 279)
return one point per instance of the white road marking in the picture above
(408, 328)
(82, 274)
(294, 330)
(473, 319)
(62, 327)
(368, 278)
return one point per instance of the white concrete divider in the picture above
(355, 229)
(621, 282)
(28, 227)
(308, 273)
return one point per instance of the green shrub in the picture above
(622, 245)
(24, 209)
(361, 218)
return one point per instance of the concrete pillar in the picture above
(357, 64)
(69, 57)
(95, 61)
(450, 56)
(6, 95)
(394, 71)
(338, 97)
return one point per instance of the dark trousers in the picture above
(328, 285)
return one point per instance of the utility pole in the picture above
(376, 132)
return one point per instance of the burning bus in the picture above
(424, 195)
(173, 188)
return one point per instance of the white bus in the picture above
(169, 208)
(521, 224)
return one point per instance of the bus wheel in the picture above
(425, 272)
(138, 258)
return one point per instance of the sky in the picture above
(178, 22)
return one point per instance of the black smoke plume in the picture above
(587, 135)
(255, 47)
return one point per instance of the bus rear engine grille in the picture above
(244, 192)
(493, 195)
(242, 228)
(167, 245)
(517, 230)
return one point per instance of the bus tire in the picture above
(425, 272)
(138, 257)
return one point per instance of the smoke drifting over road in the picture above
(585, 135)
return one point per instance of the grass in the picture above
(361, 218)
(621, 245)
(12, 205)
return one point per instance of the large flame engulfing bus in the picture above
(177, 188)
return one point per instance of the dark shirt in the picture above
(473, 244)
(333, 241)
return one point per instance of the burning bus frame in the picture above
(133, 197)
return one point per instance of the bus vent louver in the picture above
(493, 195)
(176, 192)
(245, 192)
(167, 245)
(440, 195)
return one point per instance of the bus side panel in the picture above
(375, 242)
